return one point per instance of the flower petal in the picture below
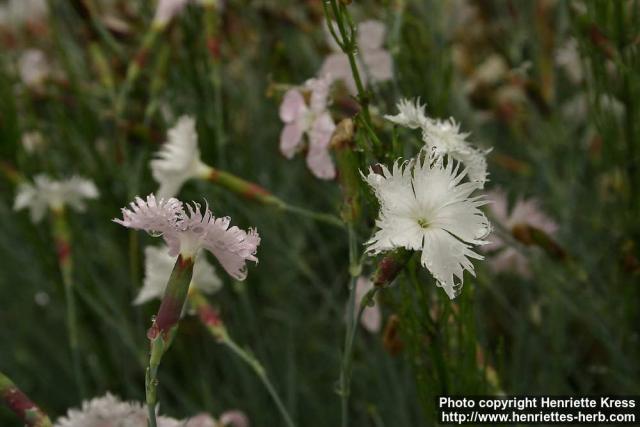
(290, 139)
(234, 418)
(446, 258)
(318, 158)
(231, 246)
(379, 65)
(293, 106)
(371, 318)
(371, 35)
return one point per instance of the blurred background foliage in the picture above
(568, 137)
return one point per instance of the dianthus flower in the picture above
(314, 120)
(424, 205)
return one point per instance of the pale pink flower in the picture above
(110, 411)
(234, 418)
(187, 231)
(231, 418)
(371, 318)
(524, 212)
(166, 10)
(312, 119)
(373, 61)
(34, 68)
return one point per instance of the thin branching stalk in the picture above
(258, 194)
(211, 320)
(347, 40)
(21, 405)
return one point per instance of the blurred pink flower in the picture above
(234, 418)
(525, 211)
(187, 231)
(34, 68)
(110, 411)
(371, 318)
(374, 62)
(314, 120)
(166, 10)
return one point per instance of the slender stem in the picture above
(317, 216)
(262, 374)
(21, 405)
(62, 239)
(211, 320)
(349, 45)
(135, 66)
(165, 326)
(212, 25)
(258, 194)
(345, 366)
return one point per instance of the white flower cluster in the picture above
(443, 137)
(426, 204)
(187, 231)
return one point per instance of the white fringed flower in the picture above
(411, 114)
(424, 205)
(110, 411)
(371, 318)
(187, 231)
(46, 194)
(524, 212)
(374, 62)
(443, 138)
(179, 159)
(158, 266)
(167, 10)
(314, 120)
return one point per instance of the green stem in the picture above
(345, 366)
(317, 216)
(349, 45)
(261, 373)
(212, 24)
(256, 193)
(62, 239)
(134, 68)
(21, 405)
(211, 320)
(164, 328)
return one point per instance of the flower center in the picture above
(423, 223)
